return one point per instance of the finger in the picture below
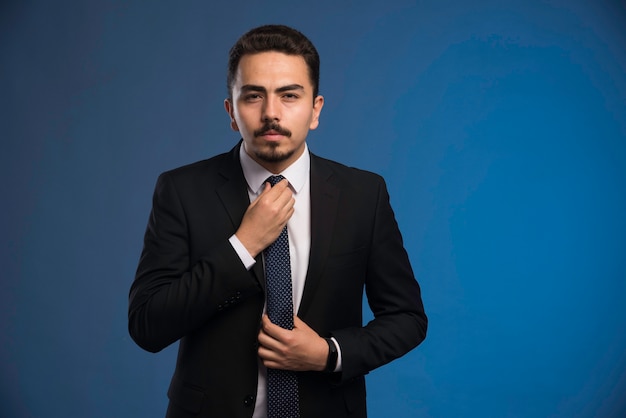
(269, 193)
(281, 194)
(274, 331)
(285, 202)
(273, 364)
(267, 341)
(266, 188)
(278, 196)
(277, 188)
(283, 183)
(267, 353)
(286, 199)
(269, 350)
(269, 358)
(268, 327)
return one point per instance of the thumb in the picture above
(266, 187)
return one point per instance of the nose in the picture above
(271, 109)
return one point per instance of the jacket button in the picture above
(248, 401)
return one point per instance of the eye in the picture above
(252, 97)
(290, 97)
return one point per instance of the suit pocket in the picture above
(347, 259)
(186, 398)
(354, 396)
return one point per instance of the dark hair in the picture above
(277, 38)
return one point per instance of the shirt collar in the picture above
(256, 175)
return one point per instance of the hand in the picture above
(266, 217)
(299, 349)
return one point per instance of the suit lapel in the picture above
(233, 193)
(324, 205)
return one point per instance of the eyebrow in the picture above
(251, 87)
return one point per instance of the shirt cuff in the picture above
(245, 257)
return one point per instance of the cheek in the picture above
(242, 119)
(304, 118)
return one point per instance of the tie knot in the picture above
(274, 179)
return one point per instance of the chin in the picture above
(273, 155)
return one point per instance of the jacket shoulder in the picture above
(209, 165)
(343, 174)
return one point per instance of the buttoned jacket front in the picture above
(192, 287)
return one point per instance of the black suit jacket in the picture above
(191, 286)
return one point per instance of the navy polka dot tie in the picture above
(282, 385)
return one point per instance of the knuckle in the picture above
(266, 326)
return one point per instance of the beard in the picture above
(271, 154)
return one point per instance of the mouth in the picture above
(271, 136)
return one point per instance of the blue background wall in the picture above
(500, 127)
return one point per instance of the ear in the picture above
(318, 103)
(230, 109)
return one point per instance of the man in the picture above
(206, 275)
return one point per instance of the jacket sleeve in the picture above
(172, 295)
(394, 297)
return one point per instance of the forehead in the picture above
(269, 68)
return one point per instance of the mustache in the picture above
(272, 127)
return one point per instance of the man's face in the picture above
(272, 106)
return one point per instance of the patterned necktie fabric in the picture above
(282, 385)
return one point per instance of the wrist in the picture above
(250, 245)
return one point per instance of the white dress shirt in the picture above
(298, 226)
(299, 232)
